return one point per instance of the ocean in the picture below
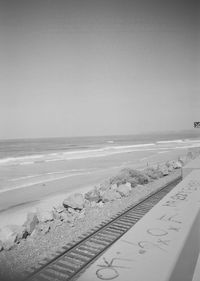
(27, 151)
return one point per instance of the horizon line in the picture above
(193, 131)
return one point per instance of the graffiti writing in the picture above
(144, 246)
(182, 195)
(170, 218)
(108, 271)
(163, 242)
(157, 232)
(174, 228)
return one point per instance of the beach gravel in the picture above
(14, 264)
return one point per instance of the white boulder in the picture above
(110, 195)
(44, 215)
(124, 189)
(31, 222)
(75, 201)
(11, 234)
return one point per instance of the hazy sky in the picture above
(70, 68)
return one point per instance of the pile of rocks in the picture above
(75, 206)
(41, 221)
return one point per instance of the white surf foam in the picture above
(6, 160)
(23, 160)
(99, 152)
(27, 163)
(170, 141)
(25, 177)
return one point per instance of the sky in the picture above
(96, 67)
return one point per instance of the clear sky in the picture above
(88, 67)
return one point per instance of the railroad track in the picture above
(75, 257)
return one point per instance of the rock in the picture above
(44, 227)
(20, 231)
(113, 186)
(9, 244)
(34, 233)
(132, 181)
(182, 160)
(86, 204)
(110, 195)
(128, 184)
(81, 214)
(102, 191)
(59, 209)
(124, 189)
(65, 216)
(141, 177)
(118, 179)
(44, 215)
(100, 204)
(104, 185)
(130, 175)
(190, 155)
(9, 235)
(92, 195)
(153, 173)
(56, 215)
(178, 165)
(31, 222)
(164, 170)
(193, 153)
(140, 186)
(73, 212)
(170, 169)
(170, 165)
(75, 201)
(173, 164)
(93, 204)
(158, 172)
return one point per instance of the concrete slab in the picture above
(163, 246)
(193, 165)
